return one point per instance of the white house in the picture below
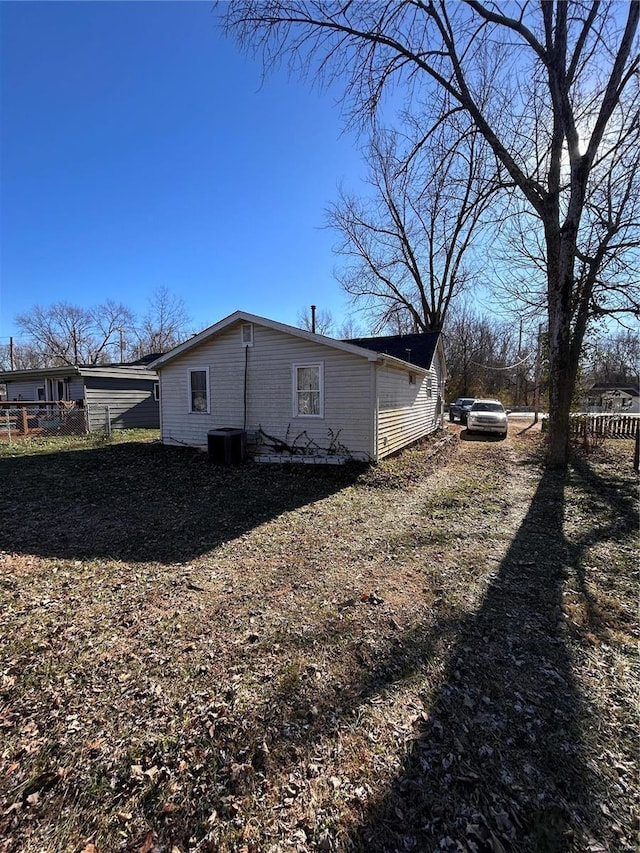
(623, 398)
(299, 395)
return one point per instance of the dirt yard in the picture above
(438, 653)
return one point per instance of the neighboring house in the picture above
(623, 398)
(130, 391)
(298, 393)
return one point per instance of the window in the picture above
(199, 391)
(308, 391)
(412, 379)
(246, 334)
(156, 391)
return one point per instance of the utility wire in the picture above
(508, 367)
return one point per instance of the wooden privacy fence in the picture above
(605, 425)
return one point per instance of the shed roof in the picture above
(112, 371)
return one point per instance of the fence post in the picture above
(107, 415)
(636, 452)
(9, 425)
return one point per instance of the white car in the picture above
(487, 416)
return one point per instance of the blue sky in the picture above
(139, 148)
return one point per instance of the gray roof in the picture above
(417, 348)
(625, 387)
(110, 371)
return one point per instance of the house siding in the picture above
(406, 411)
(28, 389)
(22, 390)
(269, 391)
(129, 408)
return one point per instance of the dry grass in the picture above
(434, 654)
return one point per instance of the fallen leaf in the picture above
(147, 845)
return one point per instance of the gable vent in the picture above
(246, 333)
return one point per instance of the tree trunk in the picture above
(559, 414)
(562, 366)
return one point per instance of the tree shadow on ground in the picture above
(614, 501)
(145, 502)
(499, 763)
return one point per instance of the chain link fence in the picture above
(20, 420)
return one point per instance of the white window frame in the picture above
(294, 387)
(190, 409)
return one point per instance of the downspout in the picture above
(246, 366)
(376, 410)
(160, 407)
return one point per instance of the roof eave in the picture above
(34, 372)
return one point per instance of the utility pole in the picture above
(11, 361)
(519, 368)
(536, 393)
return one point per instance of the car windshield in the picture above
(487, 407)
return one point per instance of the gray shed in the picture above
(129, 391)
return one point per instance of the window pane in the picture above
(308, 403)
(308, 379)
(308, 390)
(198, 390)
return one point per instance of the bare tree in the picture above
(68, 334)
(615, 358)
(563, 97)
(164, 325)
(349, 329)
(408, 246)
(323, 322)
(111, 323)
(605, 273)
(485, 356)
(22, 356)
